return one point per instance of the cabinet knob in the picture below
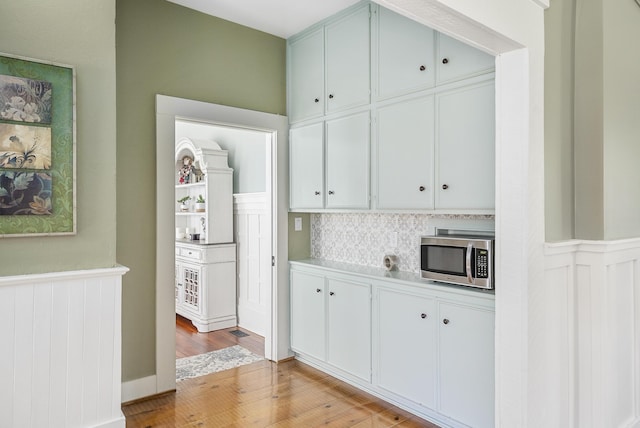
(317, 100)
(445, 321)
(318, 290)
(331, 96)
(317, 193)
(331, 293)
(423, 68)
(445, 186)
(445, 60)
(331, 192)
(421, 188)
(423, 315)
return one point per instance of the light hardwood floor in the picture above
(266, 394)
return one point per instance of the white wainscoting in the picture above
(60, 363)
(588, 362)
(253, 238)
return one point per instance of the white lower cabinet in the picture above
(205, 286)
(466, 363)
(331, 321)
(406, 351)
(426, 347)
(349, 327)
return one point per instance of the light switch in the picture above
(297, 225)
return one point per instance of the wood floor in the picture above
(265, 394)
(189, 342)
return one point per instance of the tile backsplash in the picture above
(364, 239)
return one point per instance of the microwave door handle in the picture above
(469, 251)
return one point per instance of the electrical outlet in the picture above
(297, 224)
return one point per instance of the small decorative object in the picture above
(183, 203)
(186, 171)
(390, 262)
(200, 207)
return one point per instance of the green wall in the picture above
(163, 48)
(79, 33)
(592, 120)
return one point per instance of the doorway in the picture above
(275, 128)
(249, 156)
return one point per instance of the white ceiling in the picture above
(282, 18)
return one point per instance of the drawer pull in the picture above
(331, 293)
(318, 290)
(423, 316)
(445, 321)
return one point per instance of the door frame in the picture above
(168, 109)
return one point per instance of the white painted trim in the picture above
(138, 388)
(120, 422)
(61, 276)
(168, 109)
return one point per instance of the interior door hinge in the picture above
(273, 260)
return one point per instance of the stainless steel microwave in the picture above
(458, 259)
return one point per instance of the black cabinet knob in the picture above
(445, 60)
(331, 96)
(318, 290)
(331, 192)
(423, 68)
(445, 186)
(445, 321)
(421, 188)
(317, 100)
(423, 316)
(317, 193)
(331, 293)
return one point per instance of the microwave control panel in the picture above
(482, 263)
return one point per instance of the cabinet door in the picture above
(405, 155)
(466, 346)
(348, 174)
(466, 148)
(406, 346)
(306, 76)
(308, 314)
(349, 327)
(347, 45)
(306, 178)
(457, 60)
(192, 283)
(405, 55)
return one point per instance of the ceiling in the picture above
(282, 18)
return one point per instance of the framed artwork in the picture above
(37, 148)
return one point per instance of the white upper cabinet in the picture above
(405, 155)
(306, 171)
(465, 162)
(405, 55)
(457, 61)
(348, 63)
(306, 76)
(329, 66)
(347, 141)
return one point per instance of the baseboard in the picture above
(139, 388)
(115, 423)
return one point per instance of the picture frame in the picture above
(37, 147)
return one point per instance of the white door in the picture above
(347, 158)
(405, 155)
(306, 67)
(308, 314)
(348, 76)
(465, 148)
(406, 348)
(349, 327)
(306, 166)
(466, 364)
(405, 55)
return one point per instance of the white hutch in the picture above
(205, 271)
